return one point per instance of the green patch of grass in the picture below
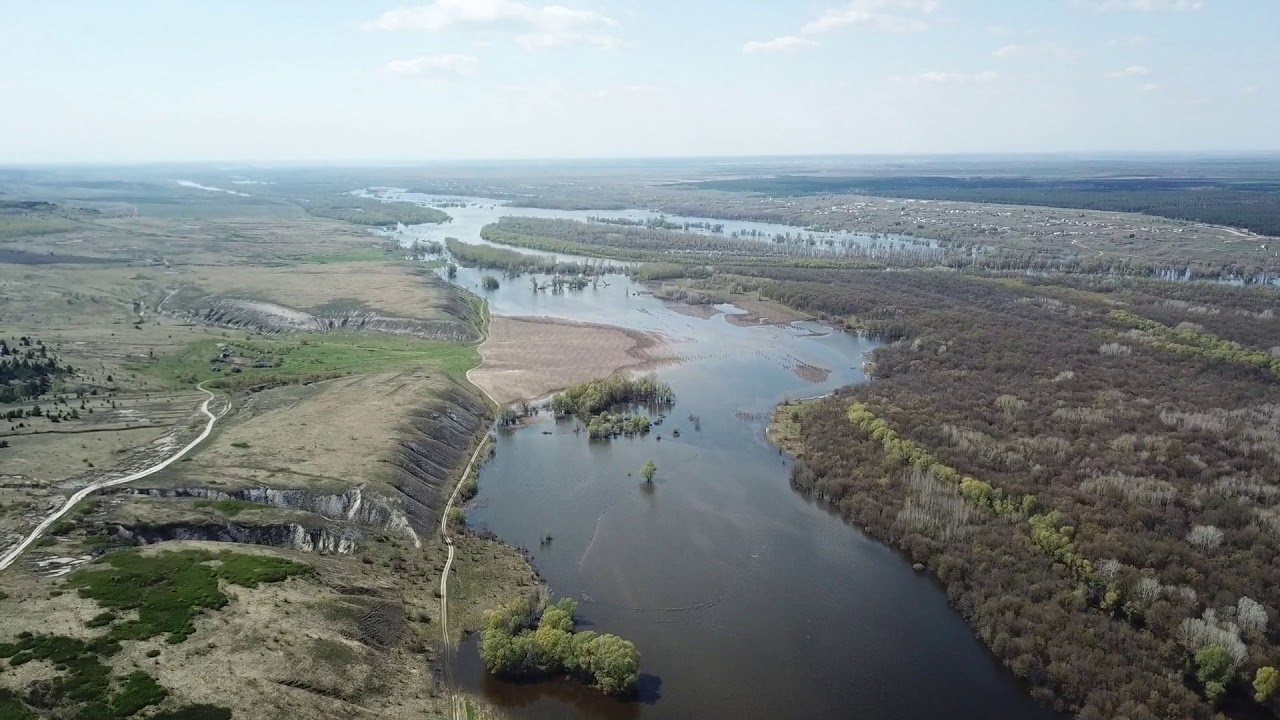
(230, 508)
(139, 691)
(170, 589)
(86, 678)
(62, 527)
(82, 690)
(11, 708)
(101, 620)
(314, 357)
(16, 225)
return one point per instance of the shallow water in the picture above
(745, 599)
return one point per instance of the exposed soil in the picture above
(763, 313)
(527, 358)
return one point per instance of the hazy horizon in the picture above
(487, 80)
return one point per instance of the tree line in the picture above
(592, 398)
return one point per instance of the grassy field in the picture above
(310, 357)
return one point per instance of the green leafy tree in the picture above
(1265, 683)
(648, 470)
(1214, 668)
(615, 663)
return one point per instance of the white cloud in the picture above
(535, 26)
(882, 15)
(1250, 89)
(950, 78)
(1133, 71)
(433, 64)
(1005, 31)
(1129, 42)
(626, 91)
(1150, 87)
(1144, 5)
(787, 43)
(1037, 52)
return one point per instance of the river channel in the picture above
(745, 599)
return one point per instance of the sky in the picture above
(359, 80)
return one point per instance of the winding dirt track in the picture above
(91, 488)
(457, 708)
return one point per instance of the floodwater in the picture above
(470, 214)
(745, 599)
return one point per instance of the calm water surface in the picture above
(744, 599)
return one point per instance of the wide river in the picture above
(745, 599)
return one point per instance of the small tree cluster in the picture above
(512, 646)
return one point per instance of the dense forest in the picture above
(514, 263)
(658, 247)
(1253, 205)
(1091, 467)
(661, 245)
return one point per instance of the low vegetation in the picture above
(162, 594)
(306, 358)
(169, 590)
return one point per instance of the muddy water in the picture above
(744, 599)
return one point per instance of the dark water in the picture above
(745, 599)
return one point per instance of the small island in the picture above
(530, 639)
(592, 402)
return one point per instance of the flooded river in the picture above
(745, 599)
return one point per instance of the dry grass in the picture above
(328, 436)
(527, 358)
(390, 288)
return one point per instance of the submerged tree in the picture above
(648, 470)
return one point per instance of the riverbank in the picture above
(529, 357)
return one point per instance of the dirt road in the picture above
(91, 488)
